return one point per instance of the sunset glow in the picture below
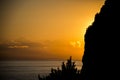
(45, 29)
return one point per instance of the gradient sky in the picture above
(45, 29)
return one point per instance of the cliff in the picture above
(101, 55)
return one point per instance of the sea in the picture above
(29, 70)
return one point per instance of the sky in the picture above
(45, 29)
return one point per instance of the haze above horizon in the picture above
(45, 29)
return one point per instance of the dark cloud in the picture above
(22, 49)
(16, 50)
(20, 44)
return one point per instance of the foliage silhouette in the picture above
(100, 59)
(68, 71)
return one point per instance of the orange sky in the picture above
(45, 29)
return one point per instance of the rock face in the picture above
(101, 58)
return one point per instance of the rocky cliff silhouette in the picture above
(101, 56)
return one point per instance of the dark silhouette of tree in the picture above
(100, 59)
(68, 71)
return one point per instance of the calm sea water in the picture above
(28, 70)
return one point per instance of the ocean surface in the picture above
(29, 70)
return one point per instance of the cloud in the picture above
(78, 43)
(21, 50)
(75, 44)
(19, 45)
(15, 46)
